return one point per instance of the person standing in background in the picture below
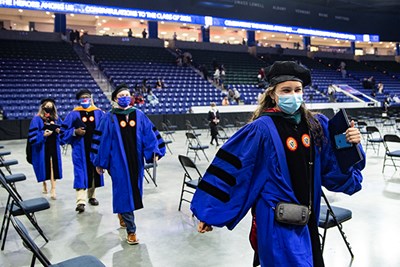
(213, 118)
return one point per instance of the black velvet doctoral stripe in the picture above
(161, 145)
(32, 135)
(64, 126)
(97, 132)
(230, 158)
(154, 128)
(221, 174)
(32, 142)
(214, 191)
(158, 136)
(95, 141)
(33, 129)
(93, 150)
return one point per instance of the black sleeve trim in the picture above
(32, 135)
(95, 141)
(221, 174)
(154, 128)
(213, 191)
(33, 129)
(32, 142)
(96, 132)
(230, 158)
(95, 151)
(64, 126)
(158, 136)
(161, 145)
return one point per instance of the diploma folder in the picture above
(78, 123)
(51, 127)
(346, 156)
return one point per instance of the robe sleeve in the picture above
(67, 129)
(235, 178)
(100, 151)
(332, 177)
(36, 133)
(151, 140)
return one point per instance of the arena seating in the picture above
(30, 71)
(184, 87)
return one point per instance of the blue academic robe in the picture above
(250, 170)
(78, 148)
(109, 153)
(37, 141)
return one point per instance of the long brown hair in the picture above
(53, 114)
(313, 124)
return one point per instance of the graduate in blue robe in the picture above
(259, 166)
(77, 130)
(45, 145)
(124, 140)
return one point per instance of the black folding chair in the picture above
(227, 125)
(389, 140)
(7, 163)
(222, 134)
(28, 242)
(194, 145)
(153, 167)
(170, 125)
(331, 216)
(189, 181)
(19, 207)
(374, 138)
(168, 133)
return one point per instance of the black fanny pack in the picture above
(290, 213)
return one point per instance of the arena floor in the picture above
(169, 237)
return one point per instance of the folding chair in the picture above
(331, 216)
(19, 207)
(222, 134)
(167, 132)
(7, 163)
(389, 140)
(227, 125)
(374, 138)
(188, 182)
(28, 242)
(194, 145)
(11, 180)
(362, 125)
(170, 125)
(147, 168)
(191, 128)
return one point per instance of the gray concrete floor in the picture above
(169, 238)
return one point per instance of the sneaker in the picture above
(121, 221)
(80, 208)
(131, 239)
(93, 202)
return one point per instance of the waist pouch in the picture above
(290, 213)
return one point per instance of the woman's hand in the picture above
(47, 133)
(100, 170)
(203, 227)
(353, 135)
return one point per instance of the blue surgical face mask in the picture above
(85, 102)
(124, 101)
(290, 103)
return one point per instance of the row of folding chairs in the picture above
(17, 206)
(374, 139)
